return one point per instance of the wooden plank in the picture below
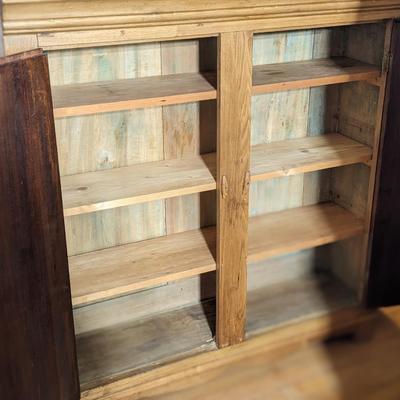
(382, 280)
(136, 346)
(125, 94)
(113, 272)
(233, 181)
(300, 228)
(37, 352)
(119, 187)
(302, 74)
(108, 273)
(296, 156)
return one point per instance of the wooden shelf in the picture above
(313, 153)
(120, 270)
(303, 74)
(119, 187)
(101, 190)
(108, 354)
(305, 297)
(125, 94)
(300, 228)
(111, 353)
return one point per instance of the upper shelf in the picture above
(302, 74)
(96, 97)
(126, 94)
(94, 191)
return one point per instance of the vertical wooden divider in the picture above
(233, 180)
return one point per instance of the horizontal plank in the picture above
(313, 153)
(300, 228)
(119, 187)
(125, 94)
(302, 74)
(120, 270)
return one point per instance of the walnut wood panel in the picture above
(233, 180)
(384, 273)
(37, 351)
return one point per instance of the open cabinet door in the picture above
(37, 343)
(384, 271)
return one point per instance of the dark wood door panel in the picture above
(37, 344)
(384, 272)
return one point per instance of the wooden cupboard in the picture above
(225, 173)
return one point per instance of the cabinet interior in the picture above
(136, 133)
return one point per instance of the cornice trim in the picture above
(39, 16)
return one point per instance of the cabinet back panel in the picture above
(111, 140)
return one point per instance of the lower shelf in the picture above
(121, 270)
(126, 349)
(294, 300)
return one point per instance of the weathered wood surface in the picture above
(37, 351)
(118, 187)
(233, 181)
(55, 24)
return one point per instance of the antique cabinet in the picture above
(228, 171)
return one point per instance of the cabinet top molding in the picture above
(59, 23)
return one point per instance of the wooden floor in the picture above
(366, 367)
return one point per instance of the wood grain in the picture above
(109, 140)
(140, 183)
(82, 24)
(233, 180)
(37, 352)
(302, 74)
(113, 272)
(286, 231)
(125, 94)
(289, 335)
(119, 187)
(109, 354)
(117, 95)
(117, 271)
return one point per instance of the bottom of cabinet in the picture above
(131, 348)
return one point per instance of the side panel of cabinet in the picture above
(37, 344)
(384, 271)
